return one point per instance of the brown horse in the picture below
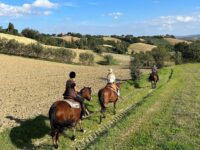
(107, 95)
(153, 78)
(62, 115)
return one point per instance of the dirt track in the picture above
(28, 87)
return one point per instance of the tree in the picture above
(10, 28)
(159, 55)
(135, 68)
(30, 33)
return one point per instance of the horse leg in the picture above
(114, 110)
(73, 138)
(81, 127)
(54, 135)
(102, 115)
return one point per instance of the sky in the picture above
(104, 17)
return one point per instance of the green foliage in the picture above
(159, 54)
(109, 60)
(146, 59)
(135, 68)
(37, 51)
(86, 58)
(189, 52)
(30, 33)
(178, 58)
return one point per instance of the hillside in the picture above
(108, 38)
(69, 38)
(140, 47)
(26, 41)
(174, 41)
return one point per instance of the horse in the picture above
(108, 95)
(62, 115)
(153, 78)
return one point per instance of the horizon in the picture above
(138, 18)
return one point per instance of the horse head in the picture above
(86, 93)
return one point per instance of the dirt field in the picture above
(28, 87)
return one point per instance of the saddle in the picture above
(113, 87)
(72, 103)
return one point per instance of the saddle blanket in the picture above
(72, 103)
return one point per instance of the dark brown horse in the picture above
(108, 95)
(62, 115)
(153, 78)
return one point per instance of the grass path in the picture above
(169, 119)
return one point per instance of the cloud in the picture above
(16, 11)
(44, 4)
(115, 15)
(70, 4)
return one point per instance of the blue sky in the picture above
(137, 17)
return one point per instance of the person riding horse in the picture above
(111, 81)
(154, 71)
(71, 93)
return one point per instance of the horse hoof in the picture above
(73, 138)
(55, 146)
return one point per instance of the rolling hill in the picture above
(140, 47)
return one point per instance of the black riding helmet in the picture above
(72, 74)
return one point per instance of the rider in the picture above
(111, 80)
(155, 70)
(70, 92)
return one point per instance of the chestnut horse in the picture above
(153, 78)
(62, 115)
(107, 95)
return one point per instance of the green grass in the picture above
(169, 119)
(34, 133)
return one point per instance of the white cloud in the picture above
(44, 4)
(47, 13)
(16, 11)
(70, 4)
(115, 15)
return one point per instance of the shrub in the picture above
(159, 54)
(64, 55)
(109, 60)
(86, 58)
(135, 68)
(178, 58)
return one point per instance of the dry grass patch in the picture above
(174, 41)
(108, 38)
(69, 38)
(140, 47)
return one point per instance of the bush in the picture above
(109, 60)
(64, 55)
(135, 68)
(159, 54)
(86, 58)
(36, 50)
(178, 58)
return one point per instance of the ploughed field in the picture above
(28, 87)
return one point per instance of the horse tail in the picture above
(101, 98)
(52, 116)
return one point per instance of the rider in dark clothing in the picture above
(70, 91)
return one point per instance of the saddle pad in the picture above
(72, 103)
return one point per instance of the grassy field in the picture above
(33, 133)
(140, 47)
(169, 119)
